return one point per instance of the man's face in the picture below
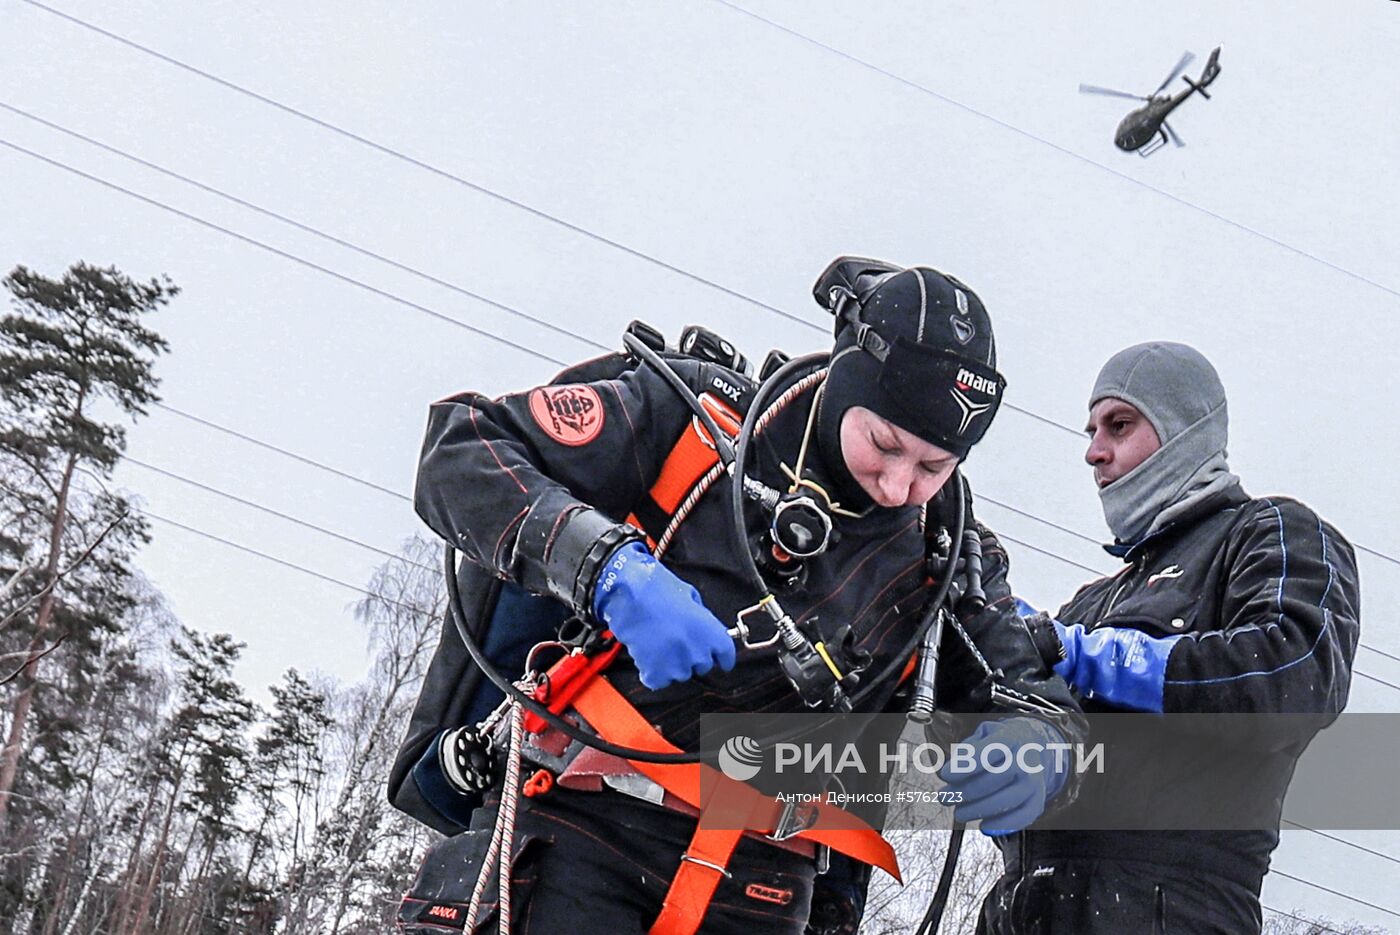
(894, 467)
(1120, 438)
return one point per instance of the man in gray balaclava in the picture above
(1228, 604)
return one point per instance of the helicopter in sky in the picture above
(1146, 130)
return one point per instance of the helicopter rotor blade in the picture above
(1171, 135)
(1095, 89)
(1186, 59)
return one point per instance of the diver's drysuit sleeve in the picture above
(536, 486)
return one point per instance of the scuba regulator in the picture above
(821, 672)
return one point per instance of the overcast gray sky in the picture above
(719, 144)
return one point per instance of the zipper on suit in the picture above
(1132, 570)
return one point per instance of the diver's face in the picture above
(894, 467)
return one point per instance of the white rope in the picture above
(502, 833)
(801, 386)
(510, 798)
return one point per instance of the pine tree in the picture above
(203, 757)
(69, 345)
(287, 774)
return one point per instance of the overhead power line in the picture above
(1378, 554)
(320, 465)
(1039, 519)
(924, 89)
(1325, 889)
(1381, 652)
(482, 332)
(301, 226)
(1035, 548)
(1367, 675)
(1341, 840)
(286, 564)
(128, 459)
(401, 156)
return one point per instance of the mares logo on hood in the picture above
(967, 380)
(571, 414)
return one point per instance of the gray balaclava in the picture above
(1179, 392)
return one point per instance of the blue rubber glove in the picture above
(666, 628)
(1120, 665)
(1008, 800)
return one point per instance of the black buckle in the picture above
(869, 340)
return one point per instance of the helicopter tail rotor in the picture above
(1095, 89)
(1211, 72)
(1186, 59)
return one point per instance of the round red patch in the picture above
(571, 414)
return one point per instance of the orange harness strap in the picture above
(709, 790)
(695, 882)
(691, 457)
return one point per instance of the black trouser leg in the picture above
(601, 863)
(1108, 897)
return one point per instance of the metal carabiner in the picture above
(740, 631)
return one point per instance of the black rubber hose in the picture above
(459, 619)
(723, 448)
(901, 658)
(454, 601)
(741, 458)
(933, 918)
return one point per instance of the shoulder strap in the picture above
(688, 471)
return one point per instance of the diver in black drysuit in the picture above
(534, 489)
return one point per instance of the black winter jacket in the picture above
(1264, 591)
(1266, 597)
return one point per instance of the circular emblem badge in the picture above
(571, 414)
